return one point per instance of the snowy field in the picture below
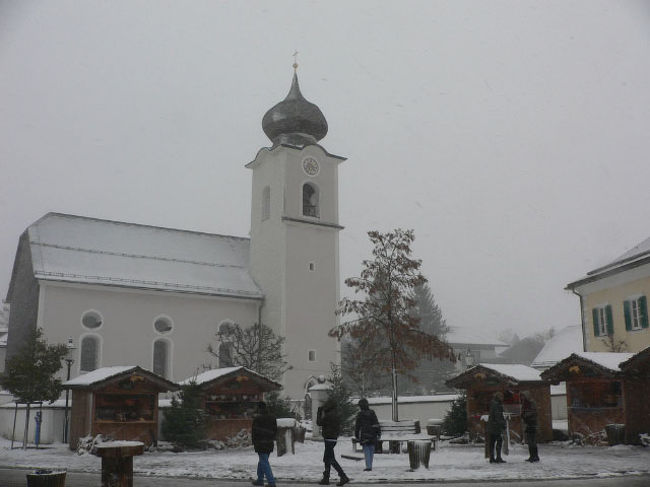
(449, 462)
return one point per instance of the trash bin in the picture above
(285, 438)
(46, 478)
(419, 453)
(615, 433)
(434, 427)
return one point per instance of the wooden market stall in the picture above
(482, 381)
(119, 402)
(636, 391)
(230, 397)
(594, 391)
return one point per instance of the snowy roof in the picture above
(638, 361)
(636, 256)
(608, 360)
(87, 250)
(565, 342)
(214, 374)
(105, 374)
(511, 372)
(465, 336)
(607, 363)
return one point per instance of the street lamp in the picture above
(69, 361)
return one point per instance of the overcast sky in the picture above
(512, 136)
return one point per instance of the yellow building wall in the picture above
(636, 340)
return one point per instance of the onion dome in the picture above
(294, 120)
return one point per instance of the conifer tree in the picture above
(184, 423)
(382, 321)
(30, 373)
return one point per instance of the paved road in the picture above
(10, 477)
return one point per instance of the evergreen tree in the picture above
(257, 348)
(279, 406)
(388, 334)
(431, 373)
(30, 373)
(455, 422)
(342, 397)
(184, 424)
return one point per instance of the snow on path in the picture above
(449, 462)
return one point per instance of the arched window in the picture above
(161, 362)
(266, 203)
(89, 355)
(310, 200)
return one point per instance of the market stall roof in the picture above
(512, 374)
(213, 377)
(637, 364)
(590, 364)
(106, 375)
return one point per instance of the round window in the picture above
(91, 319)
(163, 325)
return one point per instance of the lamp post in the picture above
(69, 361)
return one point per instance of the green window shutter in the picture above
(628, 315)
(594, 313)
(643, 309)
(610, 320)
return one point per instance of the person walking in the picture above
(367, 431)
(265, 428)
(495, 427)
(329, 420)
(529, 417)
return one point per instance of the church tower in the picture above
(294, 249)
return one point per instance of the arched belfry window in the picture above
(161, 357)
(310, 200)
(266, 202)
(89, 353)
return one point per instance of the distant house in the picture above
(613, 302)
(473, 346)
(565, 342)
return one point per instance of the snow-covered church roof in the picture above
(565, 342)
(88, 250)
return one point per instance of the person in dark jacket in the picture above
(495, 427)
(529, 417)
(367, 431)
(329, 420)
(264, 430)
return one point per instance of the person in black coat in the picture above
(329, 420)
(264, 430)
(495, 428)
(367, 431)
(529, 417)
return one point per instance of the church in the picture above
(128, 294)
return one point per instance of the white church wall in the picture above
(127, 330)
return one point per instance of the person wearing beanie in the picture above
(367, 431)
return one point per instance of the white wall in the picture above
(51, 426)
(422, 408)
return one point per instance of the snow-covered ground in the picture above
(449, 462)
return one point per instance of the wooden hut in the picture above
(120, 402)
(594, 387)
(482, 381)
(230, 397)
(636, 392)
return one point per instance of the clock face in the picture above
(310, 166)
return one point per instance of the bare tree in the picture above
(257, 348)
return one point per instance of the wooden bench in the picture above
(396, 433)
